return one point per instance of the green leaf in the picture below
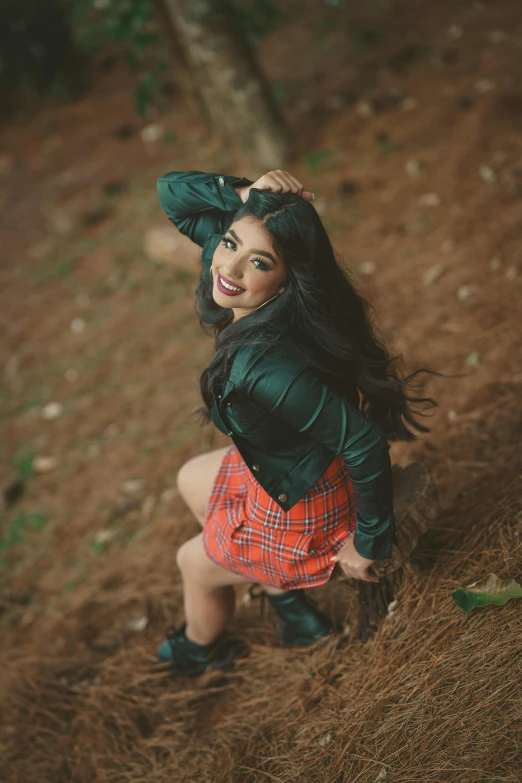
(37, 520)
(313, 159)
(24, 463)
(473, 360)
(490, 590)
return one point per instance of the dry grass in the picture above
(435, 696)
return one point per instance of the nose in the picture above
(233, 269)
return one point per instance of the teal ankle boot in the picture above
(300, 622)
(188, 658)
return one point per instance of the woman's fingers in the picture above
(281, 181)
(359, 574)
(284, 182)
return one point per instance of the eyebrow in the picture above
(260, 252)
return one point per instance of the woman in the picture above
(308, 395)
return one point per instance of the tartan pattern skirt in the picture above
(246, 532)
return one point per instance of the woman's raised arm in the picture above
(198, 203)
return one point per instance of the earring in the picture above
(267, 301)
(210, 274)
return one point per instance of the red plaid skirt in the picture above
(248, 533)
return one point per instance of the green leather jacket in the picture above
(287, 425)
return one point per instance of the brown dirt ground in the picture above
(81, 699)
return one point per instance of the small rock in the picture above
(77, 325)
(93, 450)
(133, 486)
(455, 32)
(105, 536)
(52, 410)
(409, 103)
(433, 274)
(44, 464)
(392, 606)
(325, 740)
(495, 264)
(60, 222)
(412, 167)
(452, 416)
(511, 272)
(488, 174)
(430, 200)
(71, 375)
(483, 86)
(497, 36)
(367, 267)
(152, 133)
(137, 624)
(465, 293)
(364, 109)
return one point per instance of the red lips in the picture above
(224, 290)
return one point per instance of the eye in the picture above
(264, 267)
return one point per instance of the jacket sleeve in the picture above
(200, 204)
(303, 401)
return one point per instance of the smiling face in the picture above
(246, 269)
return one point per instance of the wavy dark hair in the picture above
(325, 315)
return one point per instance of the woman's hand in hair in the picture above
(353, 564)
(280, 182)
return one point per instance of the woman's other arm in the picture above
(200, 204)
(302, 400)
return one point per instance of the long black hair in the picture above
(325, 315)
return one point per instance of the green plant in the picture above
(132, 24)
(18, 527)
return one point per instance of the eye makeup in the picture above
(264, 267)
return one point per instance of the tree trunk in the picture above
(416, 504)
(239, 106)
(181, 71)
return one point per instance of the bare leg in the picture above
(209, 594)
(195, 480)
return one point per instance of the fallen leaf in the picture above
(490, 590)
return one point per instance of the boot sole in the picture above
(226, 662)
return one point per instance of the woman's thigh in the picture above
(197, 568)
(196, 478)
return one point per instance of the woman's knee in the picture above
(184, 557)
(183, 477)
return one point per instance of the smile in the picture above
(228, 288)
